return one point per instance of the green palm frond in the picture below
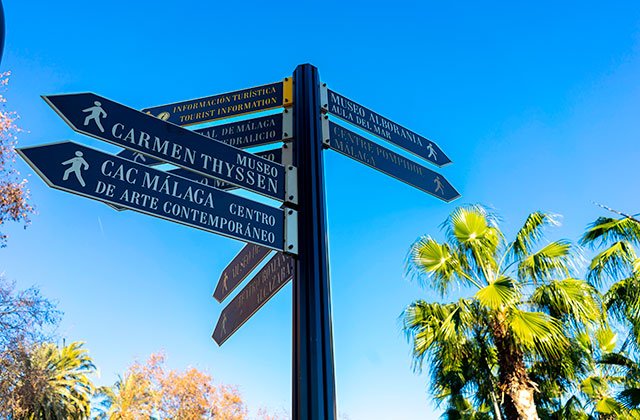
(438, 261)
(595, 387)
(68, 388)
(531, 232)
(474, 230)
(434, 326)
(607, 229)
(573, 409)
(615, 261)
(609, 406)
(554, 259)
(623, 300)
(537, 331)
(498, 294)
(621, 361)
(606, 339)
(569, 297)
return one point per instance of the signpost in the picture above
(238, 269)
(88, 172)
(298, 230)
(384, 160)
(115, 123)
(210, 108)
(384, 128)
(271, 278)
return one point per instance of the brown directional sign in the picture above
(238, 269)
(271, 278)
(384, 128)
(225, 105)
(384, 160)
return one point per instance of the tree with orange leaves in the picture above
(151, 391)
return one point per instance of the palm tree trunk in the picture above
(496, 407)
(514, 381)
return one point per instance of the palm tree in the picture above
(132, 397)
(55, 383)
(525, 309)
(616, 269)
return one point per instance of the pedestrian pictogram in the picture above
(95, 113)
(439, 186)
(77, 165)
(432, 152)
(238, 269)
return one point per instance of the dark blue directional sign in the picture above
(384, 160)
(240, 134)
(274, 155)
(386, 129)
(238, 269)
(94, 174)
(271, 278)
(225, 105)
(115, 123)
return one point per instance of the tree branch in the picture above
(628, 216)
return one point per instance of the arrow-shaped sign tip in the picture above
(216, 334)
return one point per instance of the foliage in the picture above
(616, 269)
(51, 383)
(525, 308)
(14, 196)
(24, 320)
(24, 315)
(134, 395)
(149, 390)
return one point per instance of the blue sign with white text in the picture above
(94, 174)
(384, 160)
(115, 123)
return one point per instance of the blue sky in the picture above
(536, 104)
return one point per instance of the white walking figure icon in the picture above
(224, 323)
(439, 186)
(95, 113)
(77, 164)
(432, 152)
(224, 281)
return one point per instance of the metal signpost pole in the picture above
(313, 368)
(293, 174)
